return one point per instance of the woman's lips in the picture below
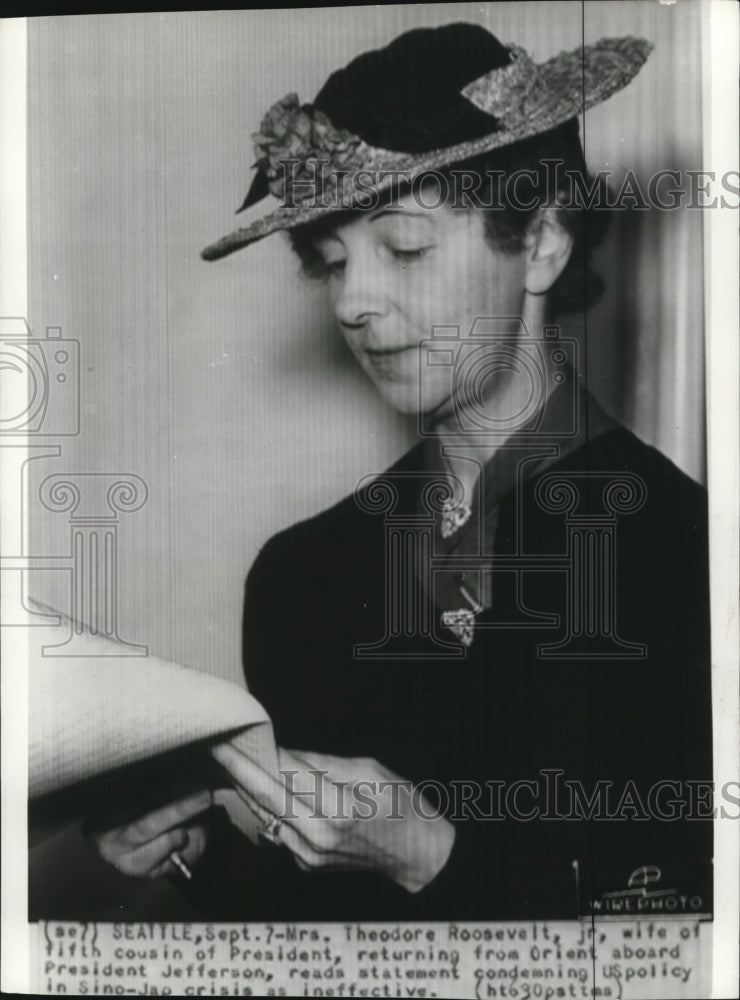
(392, 362)
(388, 352)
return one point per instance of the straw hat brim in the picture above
(567, 85)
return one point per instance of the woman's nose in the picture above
(362, 293)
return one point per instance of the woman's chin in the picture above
(403, 398)
(407, 401)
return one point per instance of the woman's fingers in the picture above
(310, 822)
(167, 867)
(267, 790)
(302, 791)
(293, 835)
(308, 803)
(266, 797)
(189, 852)
(139, 847)
(148, 828)
(146, 858)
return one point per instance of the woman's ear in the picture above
(548, 247)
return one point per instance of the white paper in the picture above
(94, 713)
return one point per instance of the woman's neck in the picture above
(509, 402)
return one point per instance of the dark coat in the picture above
(506, 710)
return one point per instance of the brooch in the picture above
(454, 518)
(460, 623)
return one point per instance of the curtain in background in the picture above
(652, 364)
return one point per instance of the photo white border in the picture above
(14, 928)
(721, 57)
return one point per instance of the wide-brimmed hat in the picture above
(431, 98)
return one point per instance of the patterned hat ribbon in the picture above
(513, 94)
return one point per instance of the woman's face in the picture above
(401, 270)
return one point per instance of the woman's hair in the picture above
(550, 161)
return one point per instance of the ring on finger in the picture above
(271, 829)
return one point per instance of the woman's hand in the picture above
(142, 847)
(345, 813)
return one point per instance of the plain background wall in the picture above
(224, 386)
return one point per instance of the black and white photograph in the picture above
(372, 520)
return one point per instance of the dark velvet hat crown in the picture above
(432, 97)
(406, 97)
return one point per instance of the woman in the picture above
(470, 646)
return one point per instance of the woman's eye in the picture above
(334, 267)
(406, 256)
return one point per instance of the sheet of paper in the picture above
(102, 711)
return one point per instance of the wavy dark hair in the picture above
(552, 161)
